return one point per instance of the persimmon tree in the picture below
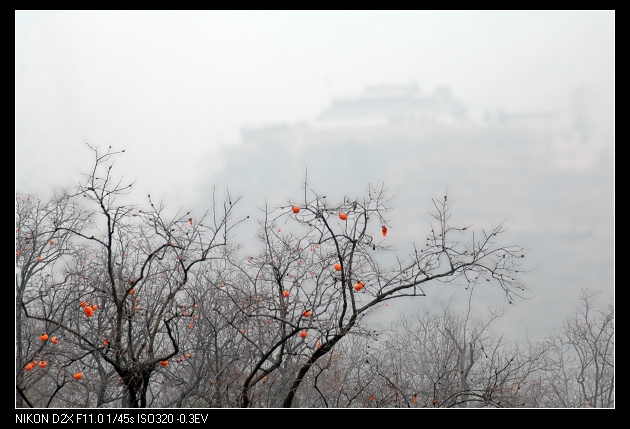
(318, 275)
(120, 296)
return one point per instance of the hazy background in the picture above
(246, 100)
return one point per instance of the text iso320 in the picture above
(172, 418)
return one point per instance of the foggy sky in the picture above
(174, 89)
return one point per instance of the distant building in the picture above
(395, 104)
(380, 111)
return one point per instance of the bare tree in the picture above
(449, 360)
(580, 362)
(453, 361)
(122, 296)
